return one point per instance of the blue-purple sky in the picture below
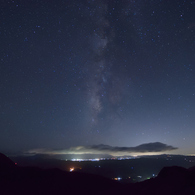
(84, 73)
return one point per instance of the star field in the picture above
(118, 73)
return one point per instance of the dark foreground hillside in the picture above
(32, 180)
(16, 180)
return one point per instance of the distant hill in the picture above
(170, 180)
(5, 162)
(15, 180)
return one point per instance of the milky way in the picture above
(104, 88)
(86, 73)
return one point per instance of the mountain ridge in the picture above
(33, 180)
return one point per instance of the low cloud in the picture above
(147, 148)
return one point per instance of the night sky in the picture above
(120, 73)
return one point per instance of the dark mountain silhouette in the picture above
(5, 162)
(15, 180)
(170, 181)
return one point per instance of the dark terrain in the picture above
(15, 180)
